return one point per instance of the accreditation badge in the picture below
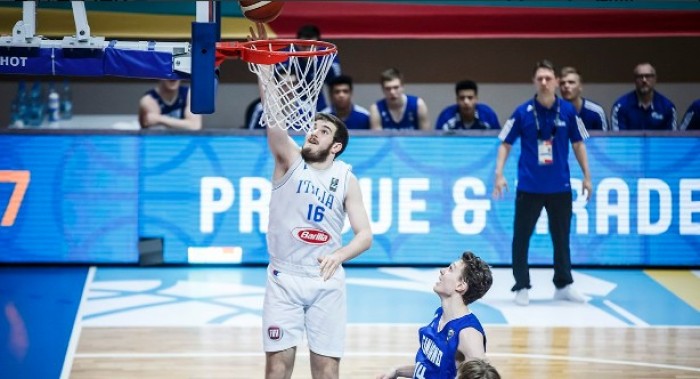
(545, 154)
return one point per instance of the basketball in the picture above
(261, 11)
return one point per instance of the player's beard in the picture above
(311, 157)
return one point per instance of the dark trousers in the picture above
(528, 207)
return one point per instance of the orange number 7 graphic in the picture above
(21, 180)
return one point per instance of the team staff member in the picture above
(545, 126)
(644, 108)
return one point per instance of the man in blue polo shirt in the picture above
(545, 125)
(644, 108)
(353, 115)
(468, 113)
(591, 113)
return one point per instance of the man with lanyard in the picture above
(545, 125)
(468, 113)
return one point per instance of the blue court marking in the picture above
(392, 296)
(646, 298)
(47, 302)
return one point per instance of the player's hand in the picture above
(587, 188)
(329, 263)
(500, 186)
(261, 32)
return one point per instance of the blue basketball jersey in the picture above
(409, 119)
(450, 119)
(177, 108)
(357, 119)
(593, 116)
(435, 358)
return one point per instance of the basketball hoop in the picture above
(291, 73)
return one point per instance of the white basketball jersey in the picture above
(307, 213)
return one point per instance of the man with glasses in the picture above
(644, 108)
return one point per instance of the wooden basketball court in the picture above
(517, 352)
(206, 324)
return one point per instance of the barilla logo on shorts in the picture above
(274, 333)
(312, 236)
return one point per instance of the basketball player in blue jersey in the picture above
(312, 193)
(592, 114)
(455, 333)
(168, 106)
(545, 125)
(397, 110)
(468, 113)
(353, 115)
(644, 108)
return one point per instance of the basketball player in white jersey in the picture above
(311, 195)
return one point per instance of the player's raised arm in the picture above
(282, 146)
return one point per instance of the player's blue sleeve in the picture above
(492, 118)
(577, 129)
(671, 118)
(511, 129)
(691, 120)
(618, 119)
(442, 119)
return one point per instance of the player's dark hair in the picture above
(466, 85)
(477, 369)
(477, 275)
(340, 80)
(341, 131)
(309, 31)
(570, 70)
(546, 64)
(390, 74)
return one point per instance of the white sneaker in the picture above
(569, 293)
(522, 297)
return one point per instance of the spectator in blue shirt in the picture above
(468, 113)
(353, 115)
(591, 113)
(691, 120)
(397, 110)
(644, 108)
(545, 125)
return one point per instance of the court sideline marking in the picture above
(77, 326)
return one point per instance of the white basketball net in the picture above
(290, 89)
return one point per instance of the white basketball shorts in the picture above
(294, 303)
